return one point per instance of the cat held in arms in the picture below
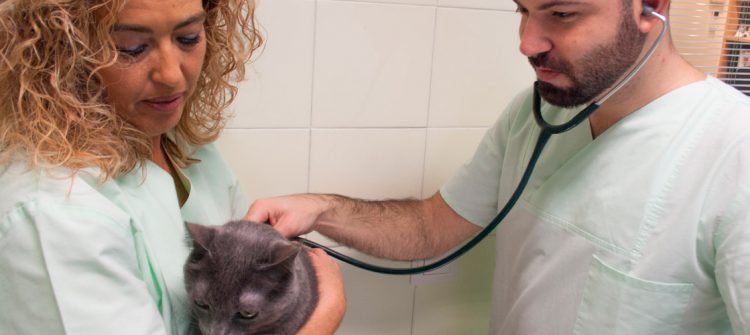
(246, 278)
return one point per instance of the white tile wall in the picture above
(376, 304)
(480, 4)
(446, 150)
(372, 64)
(476, 68)
(367, 163)
(379, 99)
(462, 305)
(279, 89)
(268, 162)
(402, 2)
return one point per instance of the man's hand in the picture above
(291, 215)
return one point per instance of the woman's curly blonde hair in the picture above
(53, 109)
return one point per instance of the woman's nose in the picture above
(167, 70)
(534, 40)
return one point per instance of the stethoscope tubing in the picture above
(543, 137)
(547, 130)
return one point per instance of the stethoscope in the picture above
(547, 131)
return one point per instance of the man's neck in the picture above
(664, 73)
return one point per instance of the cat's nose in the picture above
(218, 328)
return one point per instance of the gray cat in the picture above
(246, 278)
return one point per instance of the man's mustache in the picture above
(544, 60)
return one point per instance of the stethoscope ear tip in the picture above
(648, 10)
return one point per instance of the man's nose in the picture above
(534, 40)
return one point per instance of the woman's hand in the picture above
(329, 312)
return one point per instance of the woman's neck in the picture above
(158, 155)
(160, 158)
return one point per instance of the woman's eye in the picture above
(132, 51)
(247, 315)
(189, 40)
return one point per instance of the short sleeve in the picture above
(473, 191)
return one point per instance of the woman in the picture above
(109, 109)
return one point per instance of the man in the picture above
(633, 222)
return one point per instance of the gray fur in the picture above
(248, 268)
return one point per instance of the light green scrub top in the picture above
(79, 257)
(644, 230)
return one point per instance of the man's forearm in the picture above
(395, 229)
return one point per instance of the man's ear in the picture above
(647, 21)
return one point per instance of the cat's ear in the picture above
(283, 255)
(201, 236)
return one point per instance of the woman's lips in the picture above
(165, 104)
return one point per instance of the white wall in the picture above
(379, 99)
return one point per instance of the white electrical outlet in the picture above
(443, 274)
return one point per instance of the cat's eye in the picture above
(200, 304)
(247, 315)
(197, 255)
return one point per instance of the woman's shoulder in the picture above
(21, 184)
(51, 188)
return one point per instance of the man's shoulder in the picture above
(723, 94)
(731, 107)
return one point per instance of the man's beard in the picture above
(599, 68)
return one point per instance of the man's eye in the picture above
(564, 15)
(132, 51)
(520, 9)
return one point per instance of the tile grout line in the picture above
(424, 151)
(429, 101)
(427, 5)
(312, 96)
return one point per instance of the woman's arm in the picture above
(72, 269)
(329, 312)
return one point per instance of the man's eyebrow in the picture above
(554, 3)
(143, 29)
